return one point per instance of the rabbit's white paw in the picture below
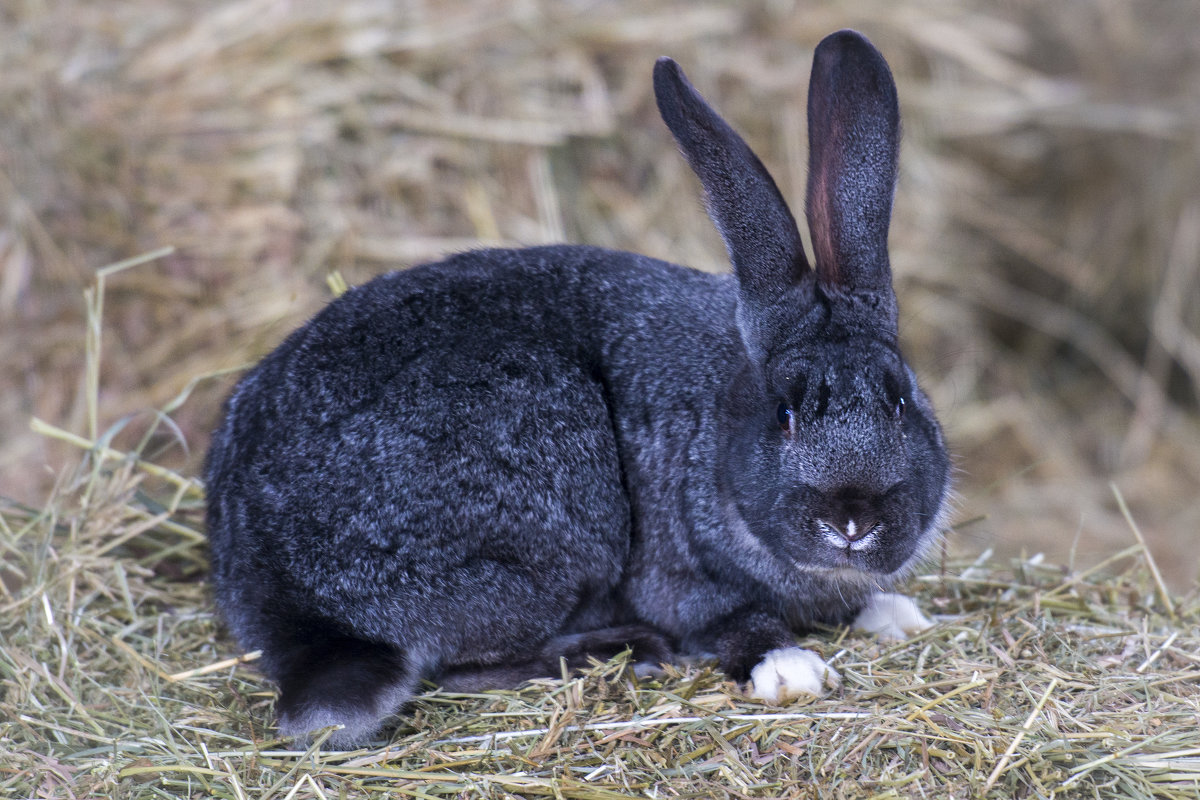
(789, 672)
(891, 617)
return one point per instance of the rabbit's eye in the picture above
(783, 415)
(898, 408)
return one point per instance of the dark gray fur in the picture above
(468, 469)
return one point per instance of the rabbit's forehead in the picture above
(856, 359)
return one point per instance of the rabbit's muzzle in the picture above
(871, 532)
(853, 520)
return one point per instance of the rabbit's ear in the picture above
(757, 226)
(854, 138)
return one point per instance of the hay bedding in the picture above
(1038, 681)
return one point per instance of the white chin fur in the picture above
(790, 672)
(891, 617)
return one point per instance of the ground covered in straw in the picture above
(118, 681)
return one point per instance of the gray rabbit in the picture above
(469, 470)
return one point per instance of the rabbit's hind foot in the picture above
(341, 681)
(649, 649)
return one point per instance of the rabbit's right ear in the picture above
(757, 226)
(854, 139)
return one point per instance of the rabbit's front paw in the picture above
(891, 617)
(790, 672)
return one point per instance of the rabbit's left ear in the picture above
(854, 141)
(757, 226)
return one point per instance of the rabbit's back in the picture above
(439, 444)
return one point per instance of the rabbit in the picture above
(468, 470)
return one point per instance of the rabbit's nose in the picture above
(851, 518)
(850, 533)
(853, 529)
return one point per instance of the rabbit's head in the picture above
(833, 457)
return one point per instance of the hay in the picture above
(118, 681)
(1047, 227)
(1037, 681)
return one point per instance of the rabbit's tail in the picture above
(648, 647)
(328, 678)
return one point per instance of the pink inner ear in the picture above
(820, 224)
(853, 130)
(825, 164)
(820, 209)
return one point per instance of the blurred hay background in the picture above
(1046, 241)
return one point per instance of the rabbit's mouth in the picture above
(869, 547)
(853, 536)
